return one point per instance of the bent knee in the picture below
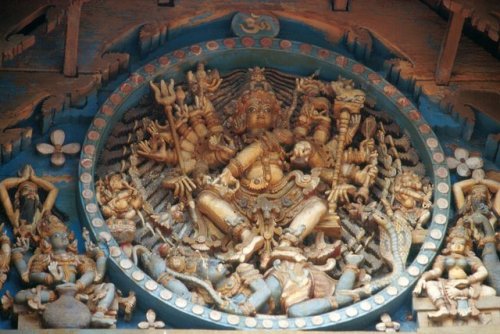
(205, 198)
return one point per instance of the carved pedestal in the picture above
(489, 307)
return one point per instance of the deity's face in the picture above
(259, 110)
(59, 240)
(458, 245)
(479, 194)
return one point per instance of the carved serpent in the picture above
(398, 255)
(489, 255)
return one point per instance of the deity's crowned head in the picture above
(459, 240)
(257, 108)
(53, 231)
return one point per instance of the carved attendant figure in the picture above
(27, 208)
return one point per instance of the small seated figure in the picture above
(27, 208)
(56, 262)
(455, 282)
(121, 204)
(409, 193)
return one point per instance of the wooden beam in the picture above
(449, 47)
(71, 46)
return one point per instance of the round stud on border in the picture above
(179, 54)
(250, 322)
(233, 319)
(267, 323)
(443, 187)
(212, 45)
(413, 271)
(442, 172)
(149, 69)
(97, 222)
(229, 43)
(247, 41)
(403, 281)
(392, 290)
(323, 53)
(215, 315)
(432, 142)
(379, 299)
(299, 322)
(403, 102)
(196, 50)
(164, 61)
(115, 251)
(438, 157)
(181, 302)
(334, 316)
(414, 115)
(266, 42)
(91, 208)
(86, 163)
(429, 246)
(87, 193)
(284, 324)
(317, 320)
(198, 310)
(442, 203)
(126, 264)
(85, 178)
(358, 68)
(365, 305)
(167, 295)
(424, 128)
(125, 88)
(436, 234)
(151, 285)
(136, 79)
(422, 259)
(285, 44)
(108, 110)
(138, 275)
(375, 78)
(351, 312)
(93, 135)
(89, 150)
(440, 219)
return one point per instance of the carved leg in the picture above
(226, 218)
(342, 294)
(99, 319)
(219, 211)
(303, 224)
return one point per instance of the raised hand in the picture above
(341, 193)
(182, 185)
(56, 271)
(22, 245)
(421, 285)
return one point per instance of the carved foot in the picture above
(288, 253)
(244, 251)
(100, 320)
(439, 314)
